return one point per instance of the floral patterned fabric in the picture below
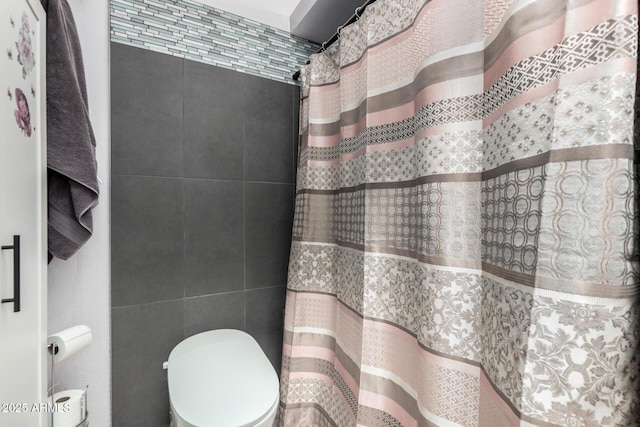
(465, 241)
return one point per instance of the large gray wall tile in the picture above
(265, 320)
(147, 242)
(214, 237)
(213, 122)
(221, 311)
(142, 338)
(188, 240)
(268, 218)
(146, 112)
(295, 131)
(268, 131)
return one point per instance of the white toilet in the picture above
(221, 378)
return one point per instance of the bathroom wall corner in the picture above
(79, 289)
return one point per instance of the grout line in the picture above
(244, 207)
(244, 234)
(239, 291)
(269, 182)
(200, 179)
(266, 287)
(184, 318)
(244, 214)
(184, 195)
(146, 176)
(147, 303)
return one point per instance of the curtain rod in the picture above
(336, 35)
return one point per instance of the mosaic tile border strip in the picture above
(199, 32)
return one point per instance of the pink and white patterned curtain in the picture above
(465, 244)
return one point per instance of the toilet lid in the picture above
(224, 381)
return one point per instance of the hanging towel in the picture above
(71, 146)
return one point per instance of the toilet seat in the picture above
(221, 378)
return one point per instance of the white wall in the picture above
(79, 289)
(271, 12)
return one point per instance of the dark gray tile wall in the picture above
(150, 142)
(147, 262)
(142, 338)
(267, 216)
(202, 208)
(214, 134)
(214, 234)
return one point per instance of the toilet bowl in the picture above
(221, 378)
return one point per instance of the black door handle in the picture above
(16, 274)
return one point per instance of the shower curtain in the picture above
(465, 240)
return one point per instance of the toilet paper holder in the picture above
(53, 351)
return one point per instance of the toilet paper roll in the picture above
(70, 408)
(69, 342)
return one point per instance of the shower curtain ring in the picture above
(323, 46)
(340, 30)
(358, 10)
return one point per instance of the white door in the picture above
(23, 363)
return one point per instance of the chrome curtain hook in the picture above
(358, 11)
